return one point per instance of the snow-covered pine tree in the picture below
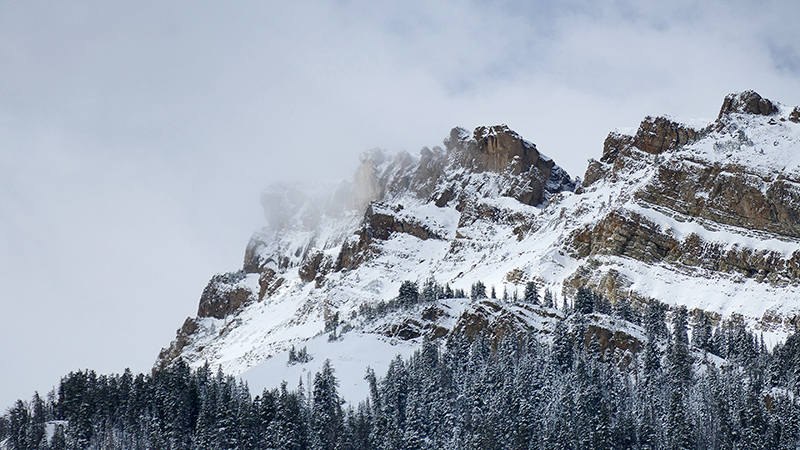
(547, 300)
(478, 290)
(327, 421)
(531, 293)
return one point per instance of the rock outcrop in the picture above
(182, 340)
(720, 178)
(795, 115)
(224, 295)
(528, 176)
(722, 192)
(747, 102)
(623, 233)
(727, 194)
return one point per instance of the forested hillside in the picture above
(720, 389)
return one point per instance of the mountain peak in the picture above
(747, 102)
(702, 217)
(494, 148)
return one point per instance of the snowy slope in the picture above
(481, 231)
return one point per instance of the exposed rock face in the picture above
(530, 177)
(623, 233)
(747, 102)
(496, 320)
(518, 170)
(224, 295)
(409, 328)
(252, 262)
(183, 338)
(654, 136)
(380, 221)
(719, 186)
(729, 195)
(615, 344)
(268, 282)
(621, 153)
(309, 270)
(658, 135)
(495, 149)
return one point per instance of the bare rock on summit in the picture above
(657, 135)
(496, 148)
(531, 176)
(747, 102)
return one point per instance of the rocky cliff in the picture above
(738, 175)
(708, 218)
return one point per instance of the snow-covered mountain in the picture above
(707, 217)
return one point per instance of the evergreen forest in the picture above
(720, 389)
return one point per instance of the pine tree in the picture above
(59, 440)
(584, 301)
(18, 438)
(561, 352)
(288, 430)
(408, 293)
(680, 364)
(624, 310)
(601, 303)
(478, 291)
(448, 291)
(394, 395)
(431, 291)
(701, 331)
(37, 420)
(358, 427)
(547, 301)
(654, 319)
(677, 428)
(531, 293)
(327, 417)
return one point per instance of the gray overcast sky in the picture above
(136, 137)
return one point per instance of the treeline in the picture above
(410, 294)
(719, 389)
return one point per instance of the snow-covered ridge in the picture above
(700, 217)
